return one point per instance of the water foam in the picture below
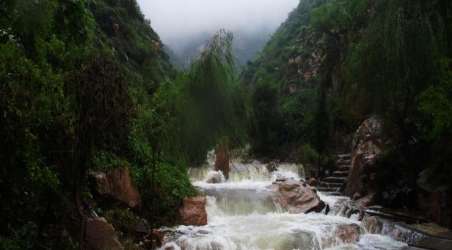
(242, 216)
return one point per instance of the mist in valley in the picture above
(186, 25)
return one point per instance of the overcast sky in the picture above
(175, 20)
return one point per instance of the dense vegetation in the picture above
(334, 63)
(86, 86)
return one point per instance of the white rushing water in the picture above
(242, 216)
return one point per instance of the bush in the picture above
(122, 219)
(339, 15)
(105, 161)
(163, 188)
(308, 155)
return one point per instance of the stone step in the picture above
(343, 162)
(344, 168)
(340, 173)
(344, 156)
(333, 179)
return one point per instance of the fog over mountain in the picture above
(185, 25)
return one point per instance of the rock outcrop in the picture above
(193, 211)
(368, 144)
(101, 235)
(118, 184)
(296, 196)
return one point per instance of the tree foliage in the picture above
(390, 58)
(77, 79)
(204, 104)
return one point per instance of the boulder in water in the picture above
(348, 233)
(118, 184)
(372, 224)
(215, 177)
(193, 211)
(296, 196)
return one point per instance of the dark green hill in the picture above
(77, 79)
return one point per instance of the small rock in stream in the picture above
(296, 197)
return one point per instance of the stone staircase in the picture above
(334, 184)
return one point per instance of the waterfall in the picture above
(242, 216)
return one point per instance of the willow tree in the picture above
(207, 103)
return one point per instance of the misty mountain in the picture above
(186, 26)
(245, 47)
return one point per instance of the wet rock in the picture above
(313, 182)
(272, 166)
(347, 208)
(372, 224)
(193, 211)
(101, 235)
(118, 184)
(296, 197)
(365, 201)
(280, 178)
(222, 160)
(417, 235)
(368, 144)
(215, 177)
(348, 233)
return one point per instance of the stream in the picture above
(241, 216)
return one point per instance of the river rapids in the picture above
(242, 217)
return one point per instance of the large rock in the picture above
(101, 235)
(368, 144)
(296, 196)
(222, 159)
(118, 184)
(348, 233)
(193, 211)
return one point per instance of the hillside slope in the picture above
(334, 63)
